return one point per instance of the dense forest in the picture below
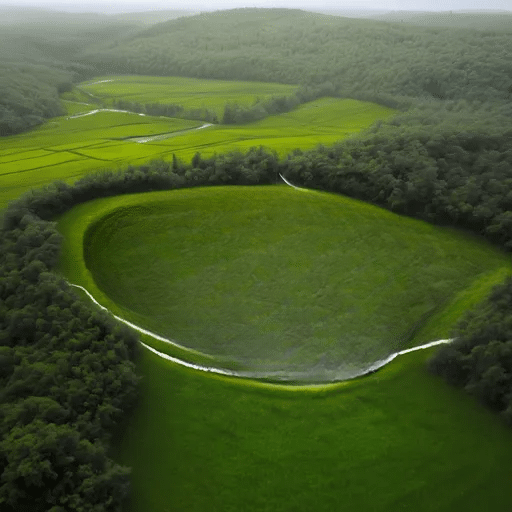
(67, 375)
(361, 58)
(486, 21)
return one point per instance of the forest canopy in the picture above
(292, 46)
(395, 64)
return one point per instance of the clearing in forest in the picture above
(271, 279)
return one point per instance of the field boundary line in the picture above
(248, 375)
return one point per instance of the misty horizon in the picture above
(116, 6)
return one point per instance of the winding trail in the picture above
(281, 376)
(291, 184)
(143, 139)
(168, 135)
(99, 82)
(97, 110)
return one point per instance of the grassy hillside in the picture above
(274, 278)
(292, 46)
(398, 440)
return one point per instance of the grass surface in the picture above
(398, 440)
(66, 149)
(277, 279)
(190, 93)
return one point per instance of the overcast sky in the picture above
(142, 5)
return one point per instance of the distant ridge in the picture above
(363, 58)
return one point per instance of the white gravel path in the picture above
(97, 110)
(99, 82)
(164, 136)
(291, 184)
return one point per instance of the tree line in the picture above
(393, 64)
(67, 376)
(233, 113)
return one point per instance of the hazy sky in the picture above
(141, 5)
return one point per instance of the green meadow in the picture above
(400, 439)
(190, 93)
(68, 147)
(276, 279)
(322, 121)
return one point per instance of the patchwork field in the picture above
(68, 147)
(275, 279)
(190, 93)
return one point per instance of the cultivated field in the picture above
(190, 93)
(275, 279)
(68, 147)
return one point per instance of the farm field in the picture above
(274, 279)
(190, 93)
(68, 147)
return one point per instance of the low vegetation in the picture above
(209, 100)
(277, 280)
(398, 439)
(67, 148)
